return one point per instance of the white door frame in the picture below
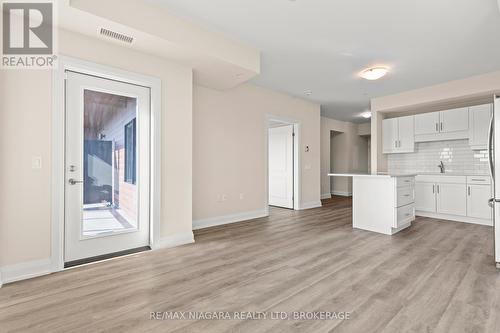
(58, 146)
(296, 158)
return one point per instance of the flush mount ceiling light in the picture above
(374, 73)
(366, 115)
(308, 92)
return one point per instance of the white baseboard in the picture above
(326, 196)
(310, 204)
(25, 270)
(175, 240)
(342, 193)
(232, 218)
(455, 218)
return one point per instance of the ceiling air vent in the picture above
(116, 35)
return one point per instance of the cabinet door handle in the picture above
(433, 189)
(468, 190)
(437, 127)
(438, 189)
(396, 143)
(441, 126)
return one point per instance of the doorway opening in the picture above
(282, 164)
(349, 153)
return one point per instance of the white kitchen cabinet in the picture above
(425, 197)
(406, 129)
(443, 125)
(451, 199)
(479, 122)
(477, 201)
(390, 135)
(398, 135)
(454, 197)
(454, 120)
(427, 123)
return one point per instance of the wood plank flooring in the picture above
(437, 276)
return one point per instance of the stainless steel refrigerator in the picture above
(494, 160)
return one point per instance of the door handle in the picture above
(490, 148)
(491, 202)
(441, 126)
(72, 181)
(437, 127)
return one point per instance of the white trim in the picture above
(227, 219)
(297, 165)
(326, 196)
(174, 240)
(310, 204)
(58, 141)
(342, 193)
(455, 218)
(25, 270)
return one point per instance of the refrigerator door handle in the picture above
(490, 148)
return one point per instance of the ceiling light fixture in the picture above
(366, 115)
(308, 92)
(374, 73)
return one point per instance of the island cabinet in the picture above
(383, 204)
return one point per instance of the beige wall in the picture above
(347, 152)
(229, 153)
(25, 107)
(464, 92)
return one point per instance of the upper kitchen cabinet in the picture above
(398, 135)
(454, 120)
(479, 121)
(443, 125)
(427, 123)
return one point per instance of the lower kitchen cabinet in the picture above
(477, 201)
(451, 199)
(425, 197)
(457, 198)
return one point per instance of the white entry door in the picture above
(281, 166)
(107, 167)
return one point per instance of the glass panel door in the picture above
(107, 166)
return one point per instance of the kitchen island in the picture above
(383, 203)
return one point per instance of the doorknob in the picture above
(72, 181)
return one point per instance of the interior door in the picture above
(106, 168)
(281, 166)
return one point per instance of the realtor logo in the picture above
(28, 34)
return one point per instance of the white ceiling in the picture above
(321, 45)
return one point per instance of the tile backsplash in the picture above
(456, 155)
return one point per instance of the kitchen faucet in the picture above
(441, 166)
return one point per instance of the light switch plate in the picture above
(36, 162)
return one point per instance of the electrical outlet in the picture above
(224, 197)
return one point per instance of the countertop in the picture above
(384, 175)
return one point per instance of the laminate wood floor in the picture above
(437, 276)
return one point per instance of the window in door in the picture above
(130, 152)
